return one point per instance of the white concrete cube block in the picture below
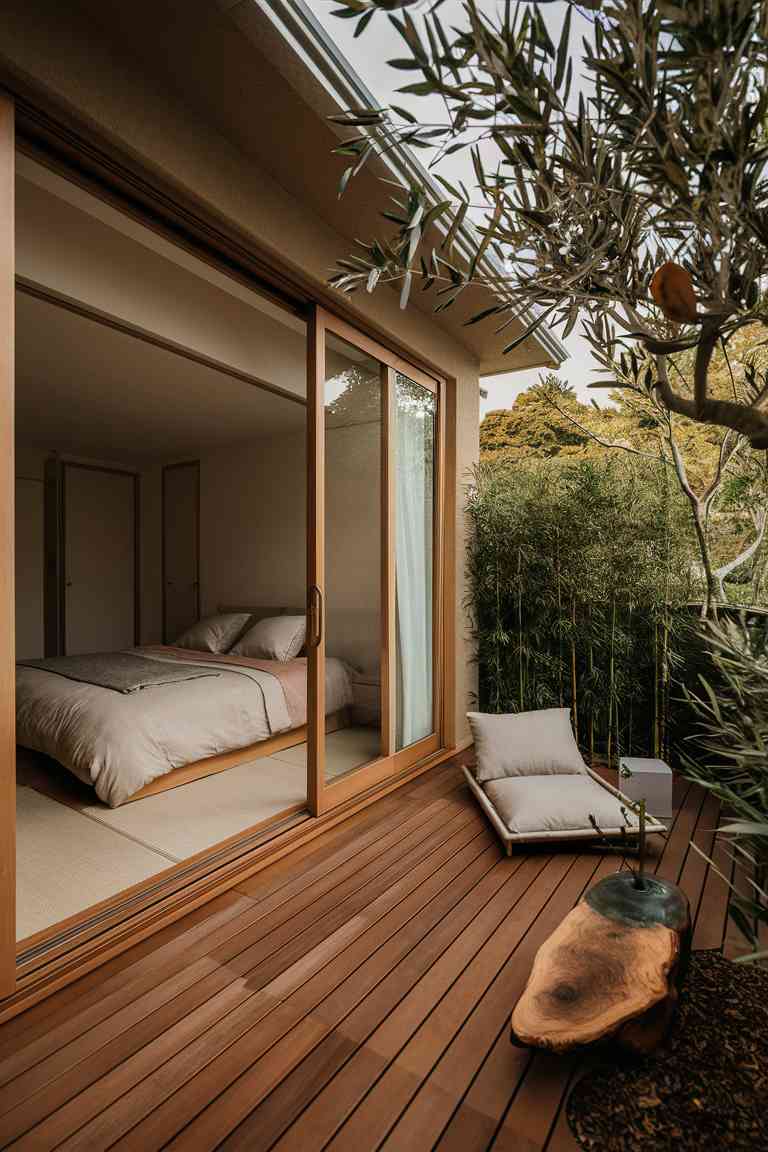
(641, 778)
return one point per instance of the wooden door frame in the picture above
(167, 468)
(7, 554)
(53, 135)
(325, 796)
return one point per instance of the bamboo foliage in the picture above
(573, 573)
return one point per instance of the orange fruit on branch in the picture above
(672, 289)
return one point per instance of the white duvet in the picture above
(119, 742)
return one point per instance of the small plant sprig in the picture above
(624, 848)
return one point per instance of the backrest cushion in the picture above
(539, 743)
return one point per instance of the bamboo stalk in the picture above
(630, 626)
(520, 625)
(574, 686)
(656, 709)
(559, 618)
(591, 669)
(611, 679)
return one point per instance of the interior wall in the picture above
(253, 534)
(253, 525)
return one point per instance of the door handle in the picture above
(315, 617)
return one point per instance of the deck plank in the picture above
(258, 982)
(354, 995)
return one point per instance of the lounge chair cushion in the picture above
(533, 804)
(539, 743)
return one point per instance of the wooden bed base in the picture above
(186, 773)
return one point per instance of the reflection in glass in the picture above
(353, 466)
(415, 415)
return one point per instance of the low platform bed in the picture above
(139, 722)
(334, 721)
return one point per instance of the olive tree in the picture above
(637, 205)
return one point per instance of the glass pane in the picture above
(415, 415)
(353, 630)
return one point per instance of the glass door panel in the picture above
(373, 564)
(353, 427)
(414, 456)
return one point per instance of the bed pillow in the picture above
(214, 634)
(275, 638)
(532, 804)
(537, 743)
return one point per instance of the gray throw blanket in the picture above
(120, 671)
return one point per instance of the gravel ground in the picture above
(706, 1088)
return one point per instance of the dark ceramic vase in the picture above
(645, 900)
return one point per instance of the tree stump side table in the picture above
(610, 971)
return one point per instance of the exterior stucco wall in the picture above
(64, 52)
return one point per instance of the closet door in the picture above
(181, 548)
(374, 571)
(100, 559)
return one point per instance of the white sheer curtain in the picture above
(413, 564)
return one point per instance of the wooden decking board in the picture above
(330, 894)
(359, 1023)
(429, 936)
(495, 1082)
(734, 943)
(413, 1038)
(356, 995)
(360, 828)
(305, 865)
(236, 927)
(385, 978)
(193, 1041)
(38, 1020)
(323, 994)
(468, 1075)
(74, 1017)
(677, 843)
(458, 1066)
(531, 1115)
(473, 920)
(694, 872)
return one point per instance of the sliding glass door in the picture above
(373, 564)
(414, 467)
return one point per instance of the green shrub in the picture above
(728, 755)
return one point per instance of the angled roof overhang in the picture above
(288, 36)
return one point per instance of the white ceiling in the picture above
(88, 390)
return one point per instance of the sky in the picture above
(369, 54)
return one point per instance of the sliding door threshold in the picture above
(62, 954)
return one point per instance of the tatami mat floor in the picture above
(73, 855)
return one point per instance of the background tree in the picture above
(706, 463)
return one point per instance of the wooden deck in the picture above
(356, 995)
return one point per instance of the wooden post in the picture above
(7, 595)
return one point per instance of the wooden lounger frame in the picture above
(509, 839)
(186, 773)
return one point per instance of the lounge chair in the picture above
(532, 783)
